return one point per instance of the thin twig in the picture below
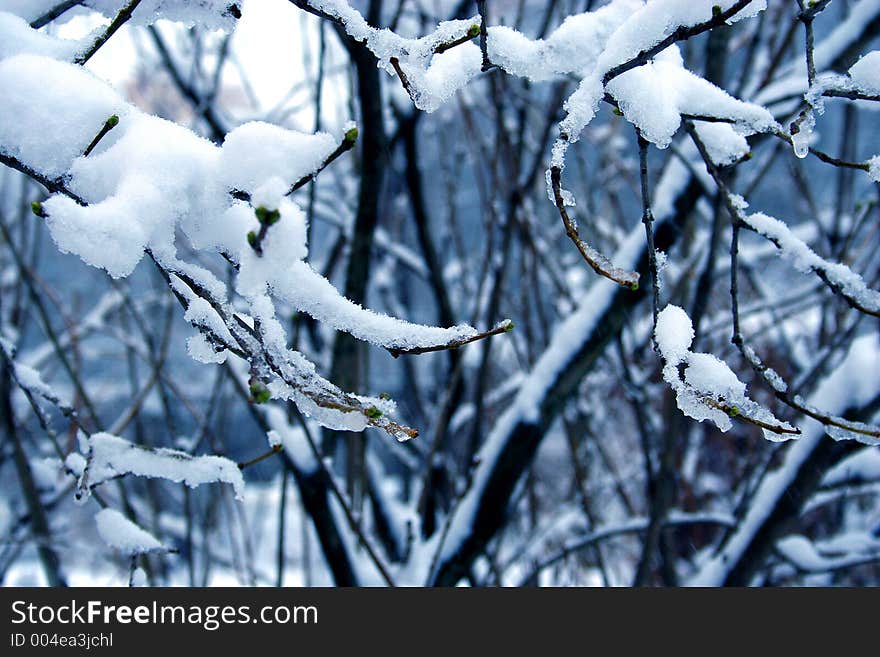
(718, 18)
(780, 391)
(262, 457)
(122, 17)
(648, 220)
(600, 264)
(483, 10)
(109, 124)
(54, 13)
(504, 327)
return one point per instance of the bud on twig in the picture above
(259, 393)
(266, 216)
(109, 124)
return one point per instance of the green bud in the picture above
(259, 393)
(351, 135)
(617, 111)
(113, 121)
(384, 395)
(634, 287)
(733, 412)
(716, 11)
(509, 327)
(372, 412)
(37, 209)
(252, 238)
(473, 30)
(266, 216)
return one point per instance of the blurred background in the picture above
(444, 218)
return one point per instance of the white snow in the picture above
(874, 168)
(724, 143)
(709, 373)
(110, 456)
(642, 30)
(149, 177)
(865, 73)
(122, 534)
(211, 14)
(863, 466)
(200, 349)
(50, 111)
(19, 38)
(654, 96)
(573, 47)
(257, 152)
(674, 334)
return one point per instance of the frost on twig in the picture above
(705, 387)
(841, 279)
(837, 427)
(861, 83)
(503, 327)
(600, 264)
(31, 382)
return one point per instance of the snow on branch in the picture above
(861, 83)
(127, 183)
(31, 382)
(641, 72)
(431, 68)
(210, 14)
(837, 427)
(118, 21)
(123, 535)
(110, 456)
(849, 550)
(656, 96)
(705, 387)
(644, 34)
(841, 279)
